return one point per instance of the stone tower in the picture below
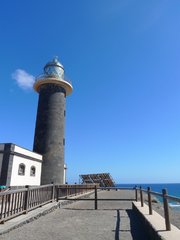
(49, 137)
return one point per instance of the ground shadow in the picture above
(137, 230)
(117, 226)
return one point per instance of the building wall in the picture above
(6, 164)
(18, 180)
(11, 156)
(27, 152)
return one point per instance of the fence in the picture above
(136, 190)
(165, 197)
(96, 199)
(17, 202)
(63, 191)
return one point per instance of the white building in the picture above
(19, 166)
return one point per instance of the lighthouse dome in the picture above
(54, 68)
(53, 74)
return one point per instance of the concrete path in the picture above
(79, 221)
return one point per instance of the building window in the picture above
(21, 169)
(33, 171)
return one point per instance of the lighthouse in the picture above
(49, 139)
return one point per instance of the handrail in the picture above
(43, 186)
(18, 201)
(156, 193)
(165, 198)
(13, 191)
(173, 198)
(176, 199)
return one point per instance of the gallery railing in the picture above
(165, 198)
(45, 76)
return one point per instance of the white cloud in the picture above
(23, 79)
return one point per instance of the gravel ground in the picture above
(79, 221)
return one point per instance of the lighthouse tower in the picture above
(49, 137)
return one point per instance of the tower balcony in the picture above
(55, 79)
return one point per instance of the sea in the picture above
(173, 189)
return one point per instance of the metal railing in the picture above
(20, 201)
(94, 188)
(165, 197)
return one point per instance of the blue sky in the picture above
(123, 58)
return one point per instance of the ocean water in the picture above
(172, 188)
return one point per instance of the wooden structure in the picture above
(16, 202)
(20, 201)
(103, 179)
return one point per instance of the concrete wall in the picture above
(18, 180)
(27, 152)
(155, 224)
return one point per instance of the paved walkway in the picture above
(79, 221)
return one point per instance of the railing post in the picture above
(67, 191)
(141, 196)
(149, 200)
(95, 198)
(53, 192)
(136, 193)
(75, 189)
(166, 210)
(57, 194)
(26, 199)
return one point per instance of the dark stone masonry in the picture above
(49, 132)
